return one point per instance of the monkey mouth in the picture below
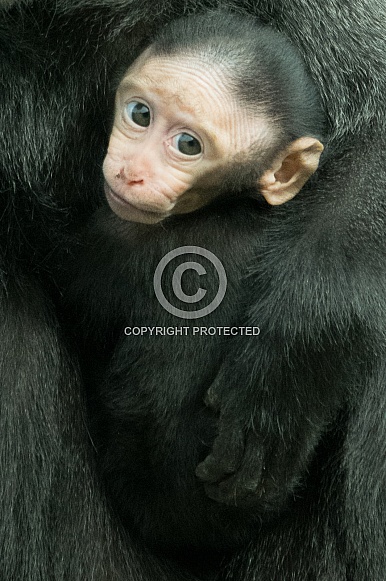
(128, 211)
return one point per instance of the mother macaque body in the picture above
(216, 118)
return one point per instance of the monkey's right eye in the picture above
(187, 144)
(138, 113)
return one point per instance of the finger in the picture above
(245, 487)
(226, 456)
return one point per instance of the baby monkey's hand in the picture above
(253, 462)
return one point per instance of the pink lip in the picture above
(117, 199)
(115, 196)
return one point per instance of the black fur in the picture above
(154, 428)
(317, 282)
(263, 69)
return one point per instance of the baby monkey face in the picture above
(176, 123)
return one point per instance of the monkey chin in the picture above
(126, 211)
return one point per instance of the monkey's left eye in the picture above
(187, 144)
(138, 113)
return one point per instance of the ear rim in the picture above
(300, 159)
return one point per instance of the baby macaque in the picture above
(213, 120)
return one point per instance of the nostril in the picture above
(120, 175)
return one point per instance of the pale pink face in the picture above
(175, 121)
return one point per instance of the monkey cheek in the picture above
(127, 211)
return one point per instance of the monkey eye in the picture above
(187, 144)
(138, 113)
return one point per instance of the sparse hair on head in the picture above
(264, 69)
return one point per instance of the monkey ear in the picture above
(290, 170)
